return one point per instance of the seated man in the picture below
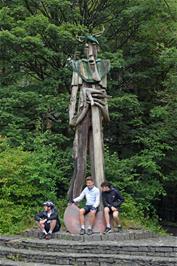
(112, 200)
(48, 220)
(92, 195)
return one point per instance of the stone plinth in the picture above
(72, 223)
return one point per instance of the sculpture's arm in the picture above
(81, 115)
(76, 116)
(72, 106)
(104, 111)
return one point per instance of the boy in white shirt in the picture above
(92, 195)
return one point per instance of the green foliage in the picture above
(28, 179)
(36, 39)
(139, 176)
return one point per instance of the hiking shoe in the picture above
(107, 230)
(42, 235)
(82, 231)
(119, 228)
(48, 236)
(89, 231)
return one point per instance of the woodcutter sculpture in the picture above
(87, 111)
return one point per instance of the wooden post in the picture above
(91, 154)
(97, 145)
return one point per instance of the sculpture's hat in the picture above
(88, 38)
(91, 38)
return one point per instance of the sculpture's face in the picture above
(91, 50)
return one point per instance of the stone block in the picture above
(72, 223)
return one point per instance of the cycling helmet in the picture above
(48, 204)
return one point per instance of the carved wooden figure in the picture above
(88, 109)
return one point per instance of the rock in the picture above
(72, 223)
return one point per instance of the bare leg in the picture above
(52, 225)
(116, 217)
(82, 219)
(92, 215)
(107, 217)
(41, 226)
(43, 232)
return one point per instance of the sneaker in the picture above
(107, 230)
(48, 236)
(119, 228)
(42, 235)
(82, 231)
(89, 231)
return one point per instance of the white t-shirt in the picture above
(48, 215)
(92, 196)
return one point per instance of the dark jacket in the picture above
(43, 215)
(112, 198)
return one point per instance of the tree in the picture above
(37, 39)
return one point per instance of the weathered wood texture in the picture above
(88, 109)
(97, 145)
(80, 150)
(73, 101)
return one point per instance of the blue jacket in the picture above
(43, 215)
(112, 198)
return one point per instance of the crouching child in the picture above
(48, 221)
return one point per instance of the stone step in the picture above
(164, 247)
(118, 236)
(4, 262)
(56, 258)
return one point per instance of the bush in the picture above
(26, 180)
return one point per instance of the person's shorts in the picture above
(56, 229)
(89, 208)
